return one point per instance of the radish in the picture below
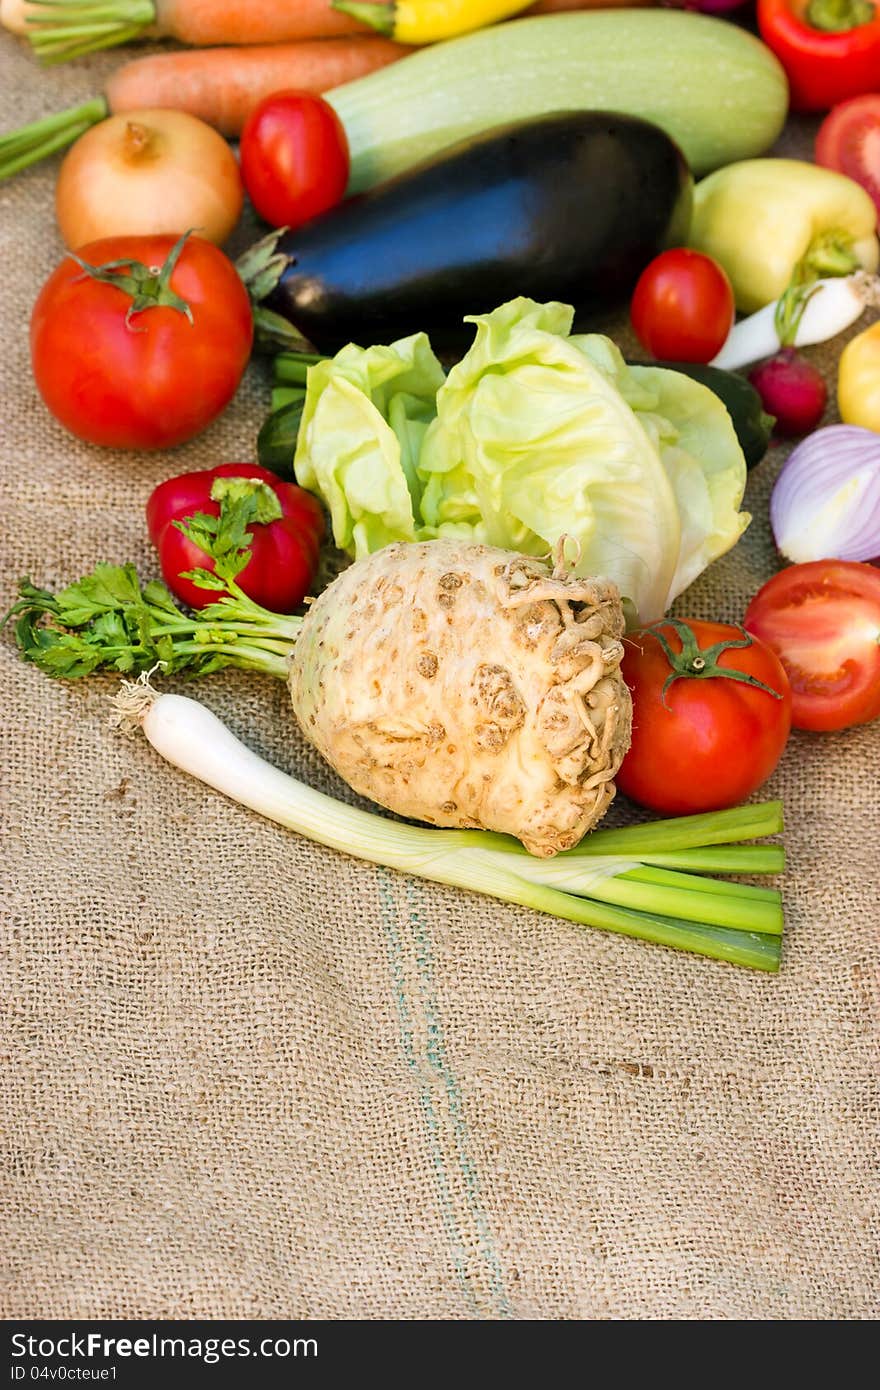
(793, 390)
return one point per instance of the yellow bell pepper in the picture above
(429, 21)
(768, 221)
(858, 380)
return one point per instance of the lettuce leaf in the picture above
(365, 415)
(534, 436)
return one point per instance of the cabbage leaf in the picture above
(535, 435)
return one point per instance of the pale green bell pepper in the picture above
(771, 221)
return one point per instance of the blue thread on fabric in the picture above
(439, 1062)
(426, 1103)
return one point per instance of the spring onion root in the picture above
(608, 883)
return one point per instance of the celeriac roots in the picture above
(466, 686)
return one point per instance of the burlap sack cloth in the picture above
(247, 1077)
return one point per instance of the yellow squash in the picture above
(430, 21)
(858, 380)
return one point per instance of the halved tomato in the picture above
(823, 621)
(849, 141)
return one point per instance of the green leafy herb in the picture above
(107, 620)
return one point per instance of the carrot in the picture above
(204, 22)
(219, 85)
(223, 85)
(60, 29)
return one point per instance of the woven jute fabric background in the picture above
(247, 1077)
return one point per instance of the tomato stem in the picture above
(699, 663)
(149, 286)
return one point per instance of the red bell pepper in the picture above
(830, 49)
(285, 525)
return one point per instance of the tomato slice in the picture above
(823, 621)
(849, 141)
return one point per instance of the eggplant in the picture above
(570, 206)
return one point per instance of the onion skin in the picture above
(148, 173)
(826, 501)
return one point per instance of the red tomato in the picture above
(158, 378)
(682, 308)
(849, 141)
(284, 553)
(702, 741)
(294, 158)
(823, 620)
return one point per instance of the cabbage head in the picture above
(534, 436)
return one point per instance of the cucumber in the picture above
(751, 422)
(276, 442)
(715, 89)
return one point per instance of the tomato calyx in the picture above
(839, 16)
(149, 286)
(694, 662)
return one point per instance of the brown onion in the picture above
(147, 173)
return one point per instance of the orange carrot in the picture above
(205, 22)
(60, 29)
(223, 85)
(219, 85)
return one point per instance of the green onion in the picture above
(649, 881)
(713, 919)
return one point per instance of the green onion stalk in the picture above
(656, 882)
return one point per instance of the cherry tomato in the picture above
(294, 158)
(849, 141)
(147, 379)
(284, 552)
(682, 308)
(823, 621)
(701, 740)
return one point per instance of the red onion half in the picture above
(826, 500)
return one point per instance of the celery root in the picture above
(467, 686)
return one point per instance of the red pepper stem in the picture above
(267, 506)
(379, 16)
(839, 16)
(700, 663)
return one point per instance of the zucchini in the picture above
(276, 442)
(714, 88)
